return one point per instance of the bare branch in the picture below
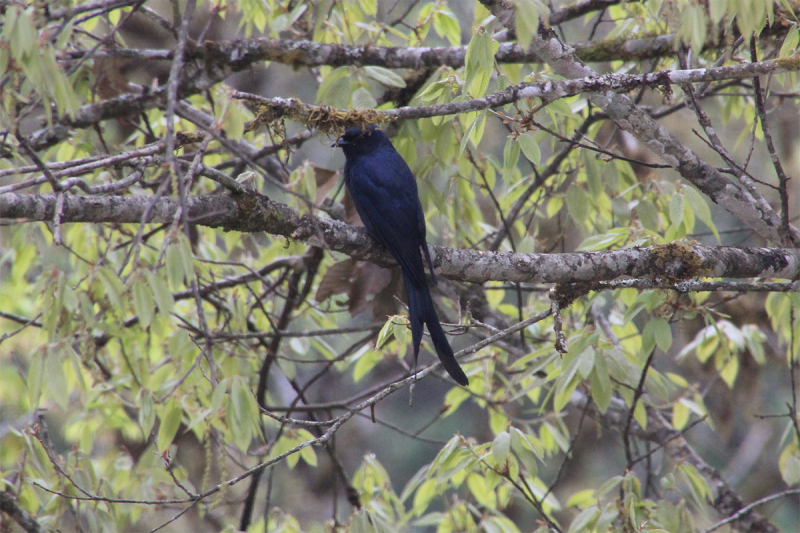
(253, 213)
(783, 179)
(547, 91)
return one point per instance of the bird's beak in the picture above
(338, 143)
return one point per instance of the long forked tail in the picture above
(421, 311)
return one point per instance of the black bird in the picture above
(384, 192)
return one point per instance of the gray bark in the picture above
(253, 212)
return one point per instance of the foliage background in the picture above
(135, 356)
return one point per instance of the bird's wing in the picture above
(385, 195)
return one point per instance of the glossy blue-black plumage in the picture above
(385, 195)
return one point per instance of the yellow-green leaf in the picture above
(170, 422)
(385, 76)
(143, 303)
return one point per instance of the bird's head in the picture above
(357, 140)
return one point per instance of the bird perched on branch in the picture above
(384, 192)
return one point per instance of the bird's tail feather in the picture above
(422, 311)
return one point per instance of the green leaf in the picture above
(790, 43)
(499, 524)
(285, 21)
(657, 332)
(386, 332)
(601, 388)
(510, 158)
(584, 520)
(585, 362)
(363, 99)
(114, 16)
(198, 417)
(565, 387)
(699, 205)
(479, 62)
(34, 381)
(454, 398)
(528, 13)
(498, 421)
(730, 370)
(578, 204)
(147, 412)
(170, 422)
(483, 494)
(57, 389)
(640, 414)
(50, 312)
(426, 492)
(604, 241)
(676, 207)
(180, 344)
(501, 446)
(220, 395)
(112, 285)
(698, 484)
(789, 464)
(240, 415)
(369, 7)
(560, 107)
(143, 303)
(187, 258)
(582, 498)
(649, 215)
(307, 454)
(530, 148)
(175, 271)
(64, 35)
(400, 332)
(693, 27)
(385, 76)
(161, 293)
(234, 121)
(680, 415)
(524, 450)
(365, 363)
(414, 483)
(474, 132)
(559, 438)
(446, 25)
(336, 87)
(607, 486)
(444, 454)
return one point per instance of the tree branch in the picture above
(9, 505)
(547, 91)
(128, 104)
(254, 213)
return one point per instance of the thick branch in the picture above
(9, 505)
(129, 104)
(329, 119)
(254, 212)
(550, 91)
(242, 54)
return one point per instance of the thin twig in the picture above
(747, 508)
